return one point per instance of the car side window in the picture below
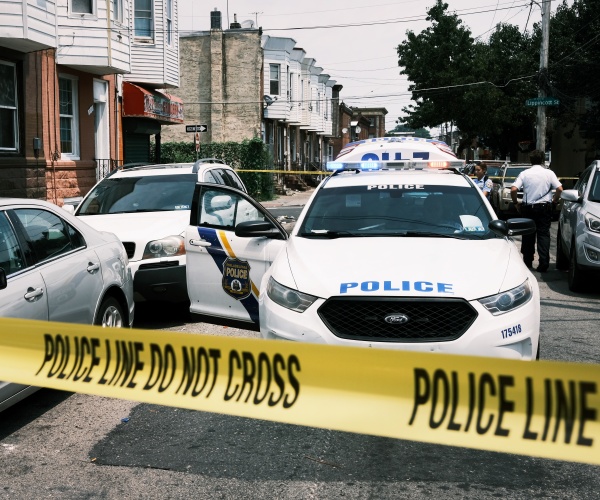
(209, 177)
(583, 181)
(48, 234)
(228, 178)
(225, 209)
(11, 256)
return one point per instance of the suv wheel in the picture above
(562, 261)
(575, 278)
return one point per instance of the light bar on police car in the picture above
(370, 165)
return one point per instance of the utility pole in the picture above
(541, 111)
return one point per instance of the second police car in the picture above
(396, 249)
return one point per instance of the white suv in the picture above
(148, 208)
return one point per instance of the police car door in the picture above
(230, 242)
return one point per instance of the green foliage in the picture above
(420, 132)
(247, 155)
(574, 70)
(480, 88)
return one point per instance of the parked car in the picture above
(54, 267)
(148, 208)
(578, 236)
(381, 257)
(500, 196)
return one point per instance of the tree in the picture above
(477, 87)
(574, 67)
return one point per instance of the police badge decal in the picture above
(236, 278)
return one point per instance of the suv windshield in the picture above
(140, 194)
(444, 211)
(513, 172)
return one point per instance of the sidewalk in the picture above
(297, 198)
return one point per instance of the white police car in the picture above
(398, 254)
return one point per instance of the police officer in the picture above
(481, 179)
(538, 203)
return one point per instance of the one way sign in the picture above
(196, 128)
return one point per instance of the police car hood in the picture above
(140, 227)
(406, 266)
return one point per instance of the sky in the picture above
(361, 57)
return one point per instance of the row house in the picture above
(242, 85)
(64, 65)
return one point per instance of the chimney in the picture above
(235, 24)
(215, 20)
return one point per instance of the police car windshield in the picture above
(155, 193)
(395, 211)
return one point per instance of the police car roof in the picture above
(425, 176)
(377, 145)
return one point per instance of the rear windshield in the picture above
(140, 194)
(379, 211)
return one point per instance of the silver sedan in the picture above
(54, 267)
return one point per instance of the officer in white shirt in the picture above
(538, 203)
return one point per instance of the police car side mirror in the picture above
(3, 282)
(512, 227)
(254, 228)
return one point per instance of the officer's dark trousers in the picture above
(542, 215)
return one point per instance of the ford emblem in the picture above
(396, 319)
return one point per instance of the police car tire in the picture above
(110, 312)
(562, 261)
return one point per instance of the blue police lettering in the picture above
(421, 155)
(391, 286)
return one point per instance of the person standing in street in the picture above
(538, 203)
(481, 179)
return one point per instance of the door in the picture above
(225, 268)
(70, 270)
(25, 295)
(101, 129)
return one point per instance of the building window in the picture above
(319, 102)
(117, 13)
(8, 107)
(275, 70)
(169, 16)
(143, 19)
(69, 122)
(82, 6)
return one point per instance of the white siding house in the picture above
(28, 25)
(90, 40)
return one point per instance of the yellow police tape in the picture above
(299, 172)
(544, 409)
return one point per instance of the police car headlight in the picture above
(165, 247)
(509, 300)
(288, 297)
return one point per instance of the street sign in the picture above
(542, 101)
(196, 128)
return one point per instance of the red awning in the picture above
(142, 103)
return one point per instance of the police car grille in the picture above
(129, 248)
(432, 320)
